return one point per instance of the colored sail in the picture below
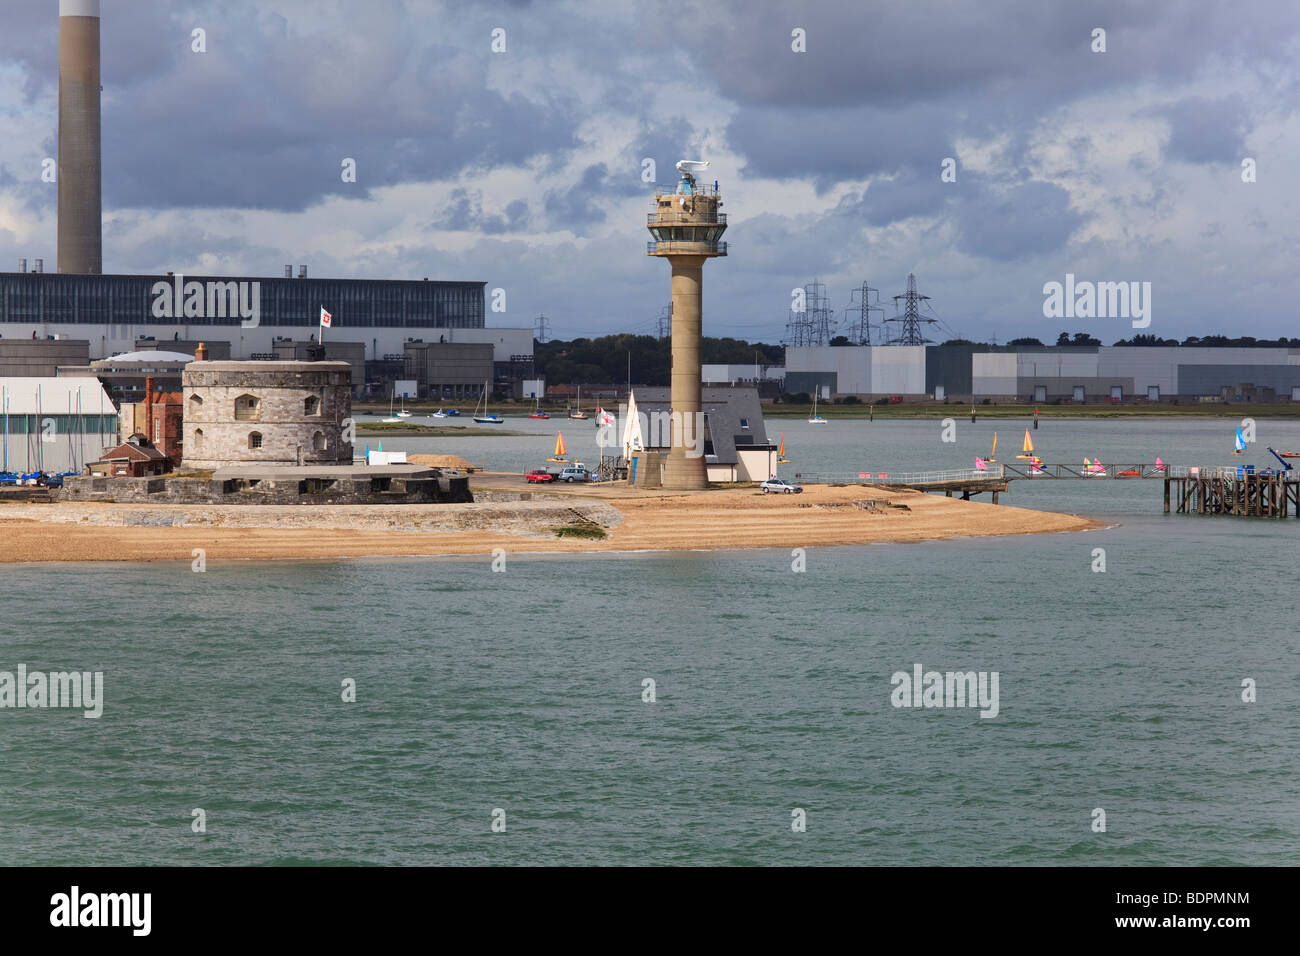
(995, 446)
(1029, 443)
(559, 444)
(1240, 445)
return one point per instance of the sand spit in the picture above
(734, 518)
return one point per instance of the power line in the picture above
(864, 309)
(541, 328)
(909, 321)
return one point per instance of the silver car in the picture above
(780, 486)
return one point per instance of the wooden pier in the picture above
(1222, 490)
(1225, 491)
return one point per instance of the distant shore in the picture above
(631, 520)
(903, 411)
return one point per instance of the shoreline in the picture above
(633, 522)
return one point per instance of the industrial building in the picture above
(125, 376)
(865, 370)
(53, 424)
(40, 358)
(238, 317)
(1074, 373)
(1125, 373)
(452, 370)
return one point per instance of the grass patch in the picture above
(581, 531)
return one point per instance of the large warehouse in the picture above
(113, 312)
(1047, 373)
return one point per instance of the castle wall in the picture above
(290, 433)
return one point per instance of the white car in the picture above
(780, 486)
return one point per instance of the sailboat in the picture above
(780, 452)
(537, 410)
(578, 412)
(403, 413)
(391, 417)
(995, 449)
(485, 418)
(439, 414)
(1240, 445)
(1027, 451)
(816, 419)
(559, 455)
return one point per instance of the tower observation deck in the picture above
(687, 229)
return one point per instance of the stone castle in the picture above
(265, 413)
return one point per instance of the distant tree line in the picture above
(604, 359)
(1207, 341)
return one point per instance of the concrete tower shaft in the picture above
(80, 248)
(687, 227)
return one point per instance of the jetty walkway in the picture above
(1188, 489)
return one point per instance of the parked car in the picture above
(575, 473)
(539, 476)
(780, 486)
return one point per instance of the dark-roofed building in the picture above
(134, 458)
(733, 441)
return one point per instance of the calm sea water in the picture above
(523, 691)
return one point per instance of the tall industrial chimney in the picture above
(80, 239)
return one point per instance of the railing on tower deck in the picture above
(686, 248)
(676, 217)
(674, 189)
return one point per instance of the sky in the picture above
(519, 158)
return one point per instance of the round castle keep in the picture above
(266, 413)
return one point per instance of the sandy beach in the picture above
(633, 521)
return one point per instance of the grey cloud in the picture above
(1207, 131)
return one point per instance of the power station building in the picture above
(244, 317)
(113, 312)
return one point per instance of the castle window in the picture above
(311, 406)
(318, 441)
(247, 408)
(198, 439)
(196, 401)
(254, 439)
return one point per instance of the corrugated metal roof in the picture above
(57, 396)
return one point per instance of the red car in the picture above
(539, 476)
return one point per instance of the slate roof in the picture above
(723, 409)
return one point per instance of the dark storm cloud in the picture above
(265, 117)
(882, 87)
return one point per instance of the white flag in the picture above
(325, 318)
